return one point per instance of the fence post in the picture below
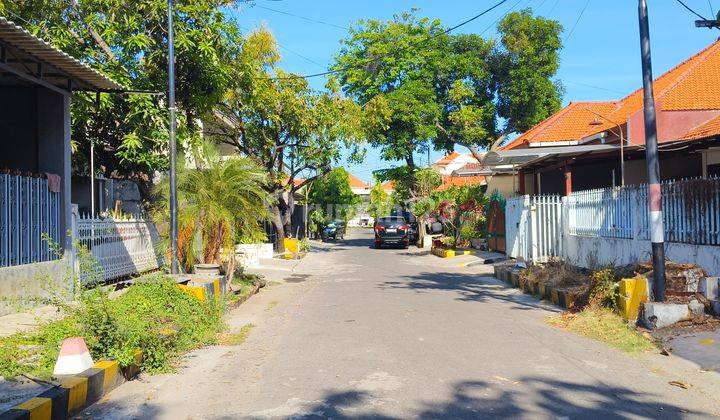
(534, 234)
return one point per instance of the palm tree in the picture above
(218, 201)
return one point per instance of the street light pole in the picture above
(174, 269)
(651, 156)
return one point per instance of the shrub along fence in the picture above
(610, 225)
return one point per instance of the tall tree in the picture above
(446, 90)
(333, 194)
(274, 117)
(127, 40)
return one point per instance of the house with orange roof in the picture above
(590, 145)
(452, 162)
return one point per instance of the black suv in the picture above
(392, 230)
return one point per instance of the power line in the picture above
(691, 10)
(591, 86)
(712, 11)
(577, 20)
(309, 60)
(445, 32)
(301, 17)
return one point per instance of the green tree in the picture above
(333, 194)
(276, 119)
(218, 201)
(380, 202)
(424, 182)
(440, 89)
(127, 40)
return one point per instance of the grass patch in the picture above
(272, 305)
(237, 338)
(138, 319)
(606, 326)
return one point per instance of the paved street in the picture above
(355, 332)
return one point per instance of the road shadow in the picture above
(528, 397)
(469, 287)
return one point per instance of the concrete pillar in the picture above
(53, 117)
(568, 180)
(521, 182)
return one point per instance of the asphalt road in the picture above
(355, 332)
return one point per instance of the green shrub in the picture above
(153, 315)
(604, 290)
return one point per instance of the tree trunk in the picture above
(277, 222)
(421, 230)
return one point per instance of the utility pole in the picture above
(174, 269)
(651, 158)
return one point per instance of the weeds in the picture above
(238, 338)
(604, 325)
(138, 319)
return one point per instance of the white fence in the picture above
(122, 247)
(533, 227)
(610, 226)
(28, 210)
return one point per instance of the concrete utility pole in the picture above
(651, 157)
(174, 269)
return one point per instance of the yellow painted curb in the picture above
(198, 292)
(77, 392)
(38, 408)
(633, 293)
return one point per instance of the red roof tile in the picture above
(690, 86)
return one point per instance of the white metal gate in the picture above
(533, 227)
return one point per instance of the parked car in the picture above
(392, 230)
(412, 222)
(334, 230)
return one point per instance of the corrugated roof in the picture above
(83, 75)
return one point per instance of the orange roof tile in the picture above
(388, 185)
(449, 181)
(447, 158)
(356, 182)
(691, 85)
(709, 129)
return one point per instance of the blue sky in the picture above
(600, 59)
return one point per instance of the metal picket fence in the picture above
(605, 212)
(691, 211)
(122, 247)
(28, 210)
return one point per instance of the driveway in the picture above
(355, 332)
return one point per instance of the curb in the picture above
(75, 393)
(450, 253)
(243, 299)
(542, 291)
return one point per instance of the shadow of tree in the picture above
(531, 397)
(469, 287)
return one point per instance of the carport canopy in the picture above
(27, 60)
(518, 158)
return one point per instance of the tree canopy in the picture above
(275, 118)
(127, 40)
(436, 89)
(333, 194)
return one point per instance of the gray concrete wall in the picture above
(21, 286)
(18, 132)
